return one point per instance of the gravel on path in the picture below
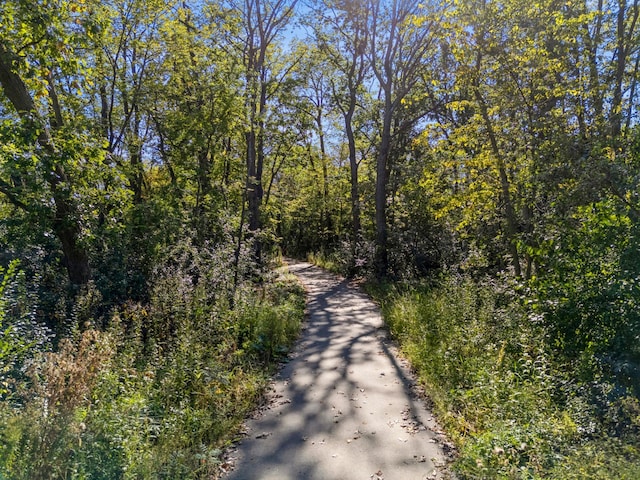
(345, 405)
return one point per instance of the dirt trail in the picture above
(342, 408)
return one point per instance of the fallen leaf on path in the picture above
(263, 435)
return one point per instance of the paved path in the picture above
(342, 408)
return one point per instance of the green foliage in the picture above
(266, 327)
(514, 405)
(10, 346)
(590, 294)
(161, 389)
(21, 335)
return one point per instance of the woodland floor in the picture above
(345, 406)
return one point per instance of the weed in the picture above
(160, 390)
(515, 407)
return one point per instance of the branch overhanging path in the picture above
(343, 407)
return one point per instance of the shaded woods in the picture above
(477, 162)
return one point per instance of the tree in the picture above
(402, 40)
(127, 54)
(262, 22)
(505, 137)
(343, 37)
(36, 57)
(194, 106)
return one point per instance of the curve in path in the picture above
(342, 408)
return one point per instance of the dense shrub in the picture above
(160, 389)
(343, 260)
(513, 402)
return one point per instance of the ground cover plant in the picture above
(156, 392)
(515, 403)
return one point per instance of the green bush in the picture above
(514, 406)
(267, 328)
(160, 390)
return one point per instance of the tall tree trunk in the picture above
(351, 62)
(623, 44)
(252, 182)
(396, 52)
(355, 193)
(632, 91)
(325, 214)
(65, 224)
(253, 204)
(592, 45)
(382, 179)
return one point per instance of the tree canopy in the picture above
(393, 140)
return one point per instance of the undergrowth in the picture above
(330, 262)
(511, 402)
(153, 391)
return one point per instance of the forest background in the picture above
(476, 162)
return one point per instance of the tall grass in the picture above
(512, 405)
(157, 392)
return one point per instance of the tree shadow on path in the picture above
(343, 406)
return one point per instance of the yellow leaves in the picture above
(461, 181)
(494, 110)
(535, 9)
(418, 20)
(460, 105)
(630, 196)
(40, 94)
(609, 153)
